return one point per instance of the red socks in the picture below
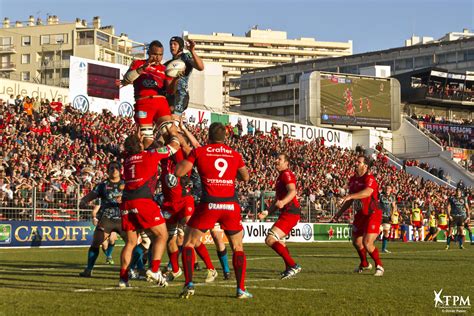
(188, 263)
(376, 257)
(124, 275)
(284, 253)
(363, 257)
(239, 262)
(174, 260)
(204, 255)
(155, 265)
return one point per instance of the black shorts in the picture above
(458, 220)
(179, 101)
(385, 220)
(108, 225)
(433, 230)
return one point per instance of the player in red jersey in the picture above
(368, 104)
(348, 102)
(219, 166)
(287, 203)
(150, 82)
(178, 206)
(366, 226)
(138, 209)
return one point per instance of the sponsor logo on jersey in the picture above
(221, 206)
(218, 150)
(149, 83)
(220, 181)
(142, 114)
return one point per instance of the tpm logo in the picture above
(125, 109)
(81, 103)
(451, 303)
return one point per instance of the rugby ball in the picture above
(175, 68)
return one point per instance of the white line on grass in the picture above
(214, 284)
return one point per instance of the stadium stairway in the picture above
(411, 143)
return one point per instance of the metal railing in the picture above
(7, 66)
(62, 204)
(36, 204)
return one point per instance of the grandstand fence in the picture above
(54, 204)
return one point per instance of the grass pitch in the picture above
(46, 282)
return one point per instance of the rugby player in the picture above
(177, 208)
(219, 166)
(216, 231)
(150, 82)
(286, 202)
(388, 206)
(433, 227)
(107, 219)
(458, 209)
(138, 209)
(178, 98)
(395, 223)
(442, 221)
(363, 197)
(416, 221)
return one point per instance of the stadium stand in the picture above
(51, 158)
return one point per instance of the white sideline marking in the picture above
(276, 288)
(215, 284)
(37, 269)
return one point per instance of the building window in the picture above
(25, 58)
(469, 55)
(26, 41)
(53, 39)
(423, 61)
(85, 38)
(60, 38)
(44, 39)
(25, 76)
(5, 41)
(103, 37)
(401, 64)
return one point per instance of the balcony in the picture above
(7, 49)
(7, 66)
(54, 64)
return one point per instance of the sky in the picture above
(371, 25)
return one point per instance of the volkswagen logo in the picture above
(307, 232)
(125, 109)
(81, 103)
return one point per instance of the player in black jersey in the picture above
(108, 216)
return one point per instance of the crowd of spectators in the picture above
(55, 149)
(63, 153)
(451, 133)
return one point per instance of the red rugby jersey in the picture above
(217, 165)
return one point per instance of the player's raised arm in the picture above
(198, 64)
